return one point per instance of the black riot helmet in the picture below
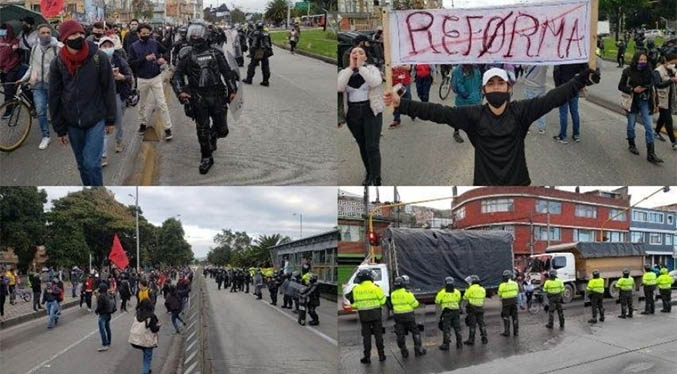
(595, 273)
(398, 283)
(626, 272)
(647, 268)
(183, 30)
(474, 279)
(507, 274)
(364, 274)
(406, 280)
(449, 284)
(259, 26)
(553, 274)
(197, 33)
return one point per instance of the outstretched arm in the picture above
(456, 117)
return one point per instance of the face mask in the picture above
(45, 40)
(496, 99)
(671, 66)
(132, 28)
(108, 51)
(145, 38)
(3, 33)
(75, 43)
(97, 36)
(641, 65)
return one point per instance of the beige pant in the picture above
(146, 88)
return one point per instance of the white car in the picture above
(650, 34)
(673, 274)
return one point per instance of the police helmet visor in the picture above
(196, 31)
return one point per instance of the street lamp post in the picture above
(136, 208)
(300, 224)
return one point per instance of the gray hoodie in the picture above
(40, 59)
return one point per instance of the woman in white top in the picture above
(361, 85)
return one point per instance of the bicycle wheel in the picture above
(445, 88)
(14, 129)
(534, 308)
(26, 296)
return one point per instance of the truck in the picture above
(428, 256)
(574, 263)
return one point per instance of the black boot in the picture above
(265, 83)
(365, 360)
(471, 337)
(592, 320)
(205, 164)
(445, 342)
(632, 147)
(651, 155)
(506, 327)
(515, 327)
(367, 180)
(418, 346)
(405, 352)
(247, 81)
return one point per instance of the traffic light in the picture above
(374, 238)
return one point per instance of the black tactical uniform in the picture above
(211, 82)
(260, 48)
(179, 44)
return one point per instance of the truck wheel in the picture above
(568, 294)
(613, 291)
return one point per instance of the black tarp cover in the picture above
(427, 256)
(604, 249)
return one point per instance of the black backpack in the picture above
(111, 306)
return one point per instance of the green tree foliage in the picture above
(22, 220)
(142, 9)
(66, 245)
(238, 249)
(276, 11)
(237, 16)
(172, 249)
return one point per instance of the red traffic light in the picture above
(374, 238)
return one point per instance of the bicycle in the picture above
(24, 294)
(445, 83)
(15, 128)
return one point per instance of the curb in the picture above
(33, 315)
(309, 54)
(171, 366)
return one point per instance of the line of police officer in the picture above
(368, 299)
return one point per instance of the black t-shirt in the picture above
(498, 140)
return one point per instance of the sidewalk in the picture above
(23, 310)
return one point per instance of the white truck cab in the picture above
(381, 278)
(563, 263)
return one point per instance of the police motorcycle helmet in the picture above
(364, 274)
(197, 32)
(259, 26)
(507, 274)
(553, 274)
(398, 283)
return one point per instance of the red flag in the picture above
(117, 254)
(51, 8)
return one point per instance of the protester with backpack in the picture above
(173, 304)
(36, 286)
(104, 308)
(143, 334)
(82, 99)
(50, 297)
(466, 82)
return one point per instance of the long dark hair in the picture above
(366, 53)
(635, 60)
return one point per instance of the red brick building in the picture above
(542, 216)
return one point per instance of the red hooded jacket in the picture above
(9, 50)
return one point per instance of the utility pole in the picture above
(548, 214)
(365, 201)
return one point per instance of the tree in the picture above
(276, 11)
(142, 9)
(173, 249)
(66, 244)
(237, 16)
(219, 256)
(23, 221)
(260, 252)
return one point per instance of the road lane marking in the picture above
(191, 368)
(191, 346)
(191, 325)
(38, 367)
(189, 358)
(190, 336)
(316, 332)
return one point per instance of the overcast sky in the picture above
(244, 5)
(206, 210)
(423, 193)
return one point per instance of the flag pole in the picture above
(594, 15)
(385, 23)
(137, 231)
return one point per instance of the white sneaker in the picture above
(44, 143)
(541, 131)
(103, 348)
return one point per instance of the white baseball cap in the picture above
(107, 39)
(494, 72)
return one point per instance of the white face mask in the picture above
(671, 66)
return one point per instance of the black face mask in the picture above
(356, 80)
(75, 43)
(145, 38)
(97, 36)
(496, 99)
(449, 288)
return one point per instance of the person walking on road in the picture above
(261, 49)
(105, 307)
(146, 57)
(173, 304)
(534, 86)
(360, 84)
(82, 100)
(50, 298)
(664, 282)
(144, 332)
(368, 299)
(475, 296)
(36, 286)
(125, 294)
(87, 291)
(638, 82)
(595, 290)
(466, 81)
(312, 296)
(449, 301)
(665, 77)
(554, 288)
(404, 303)
(649, 285)
(561, 75)
(293, 39)
(424, 80)
(11, 285)
(620, 55)
(507, 291)
(626, 285)
(497, 133)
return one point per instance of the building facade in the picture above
(541, 216)
(657, 228)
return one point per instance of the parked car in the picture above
(673, 274)
(652, 33)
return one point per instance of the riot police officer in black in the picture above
(212, 84)
(260, 48)
(179, 44)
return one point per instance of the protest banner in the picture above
(535, 34)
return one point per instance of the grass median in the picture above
(611, 50)
(314, 41)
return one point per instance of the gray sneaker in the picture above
(560, 140)
(576, 138)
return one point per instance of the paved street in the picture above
(424, 153)
(284, 136)
(640, 345)
(71, 346)
(252, 336)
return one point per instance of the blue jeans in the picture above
(75, 289)
(40, 101)
(407, 95)
(87, 146)
(176, 317)
(104, 329)
(53, 311)
(646, 120)
(571, 105)
(530, 93)
(119, 116)
(147, 357)
(423, 88)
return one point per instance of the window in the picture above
(376, 272)
(351, 233)
(559, 262)
(636, 237)
(460, 214)
(668, 239)
(541, 233)
(586, 211)
(615, 236)
(670, 219)
(655, 217)
(617, 214)
(655, 238)
(36, 8)
(545, 206)
(497, 205)
(638, 215)
(584, 235)
(508, 228)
